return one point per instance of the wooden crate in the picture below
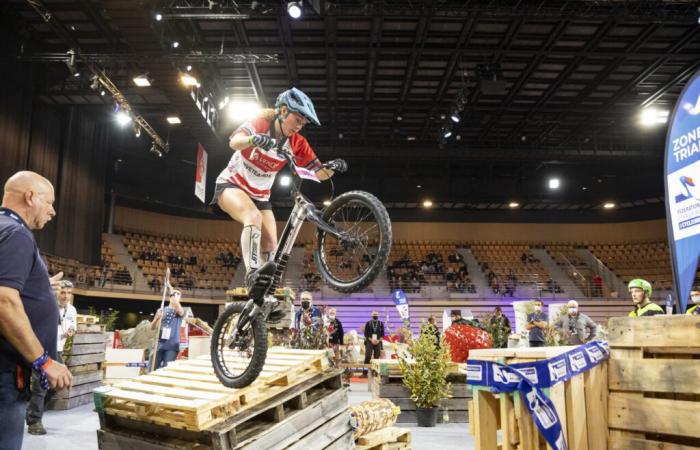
(654, 382)
(310, 415)
(186, 394)
(85, 363)
(386, 381)
(389, 438)
(580, 402)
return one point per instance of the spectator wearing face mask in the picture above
(335, 329)
(577, 328)
(308, 315)
(695, 309)
(374, 332)
(536, 324)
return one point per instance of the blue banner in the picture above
(682, 180)
(530, 378)
(401, 302)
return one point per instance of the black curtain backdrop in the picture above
(67, 145)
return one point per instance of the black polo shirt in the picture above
(23, 269)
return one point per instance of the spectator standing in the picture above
(374, 332)
(536, 324)
(169, 338)
(309, 315)
(577, 328)
(28, 308)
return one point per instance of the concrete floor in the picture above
(75, 429)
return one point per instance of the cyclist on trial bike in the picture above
(243, 187)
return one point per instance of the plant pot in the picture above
(427, 417)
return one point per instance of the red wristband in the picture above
(47, 363)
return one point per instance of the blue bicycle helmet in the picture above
(298, 102)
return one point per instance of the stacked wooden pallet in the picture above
(390, 438)
(653, 376)
(86, 363)
(297, 402)
(580, 402)
(284, 295)
(387, 382)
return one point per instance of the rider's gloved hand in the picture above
(338, 165)
(262, 141)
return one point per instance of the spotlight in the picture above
(188, 80)
(399, 118)
(137, 130)
(294, 9)
(427, 204)
(608, 205)
(455, 117)
(123, 118)
(446, 132)
(95, 83)
(155, 151)
(159, 17)
(554, 183)
(411, 138)
(70, 63)
(326, 203)
(189, 67)
(652, 116)
(285, 180)
(513, 204)
(103, 93)
(173, 120)
(175, 44)
(238, 111)
(142, 80)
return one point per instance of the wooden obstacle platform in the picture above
(390, 438)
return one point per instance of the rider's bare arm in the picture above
(239, 141)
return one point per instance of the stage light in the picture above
(411, 138)
(447, 133)
(294, 9)
(189, 67)
(455, 117)
(427, 204)
(159, 17)
(142, 81)
(608, 205)
(554, 183)
(326, 203)
(188, 80)
(175, 44)
(285, 180)
(513, 204)
(123, 118)
(652, 116)
(95, 83)
(103, 93)
(238, 111)
(155, 151)
(137, 130)
(173, 120)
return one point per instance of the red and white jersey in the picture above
(254, 169)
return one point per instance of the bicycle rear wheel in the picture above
(350, 264)
(238, 362)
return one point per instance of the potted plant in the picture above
(425, 376)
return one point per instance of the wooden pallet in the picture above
(653, 376)
(390, 438)
(310, 415)
(187, 394)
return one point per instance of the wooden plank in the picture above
(188, 394)
(154, 400)
(486, 415)
(110, 440)
(596, 407)
(557, 394)
(381, 436)
(325, 434)
(79, 360)
(299, 423)
(90, 338)
(660, 375)
(663, 331)
(628, 443)
(526, 427)
(508, 438)
(87, 377)
(577, 428)
(82, 389)
(69, 403)
(345, 442)
(617, 354)
(84, 349)
(86, 368)
(653, 415)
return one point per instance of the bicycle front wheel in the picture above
(239, 359)
(351, 263)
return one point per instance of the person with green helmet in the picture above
(695, 298)
(641, 296)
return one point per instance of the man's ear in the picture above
(29, 198)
